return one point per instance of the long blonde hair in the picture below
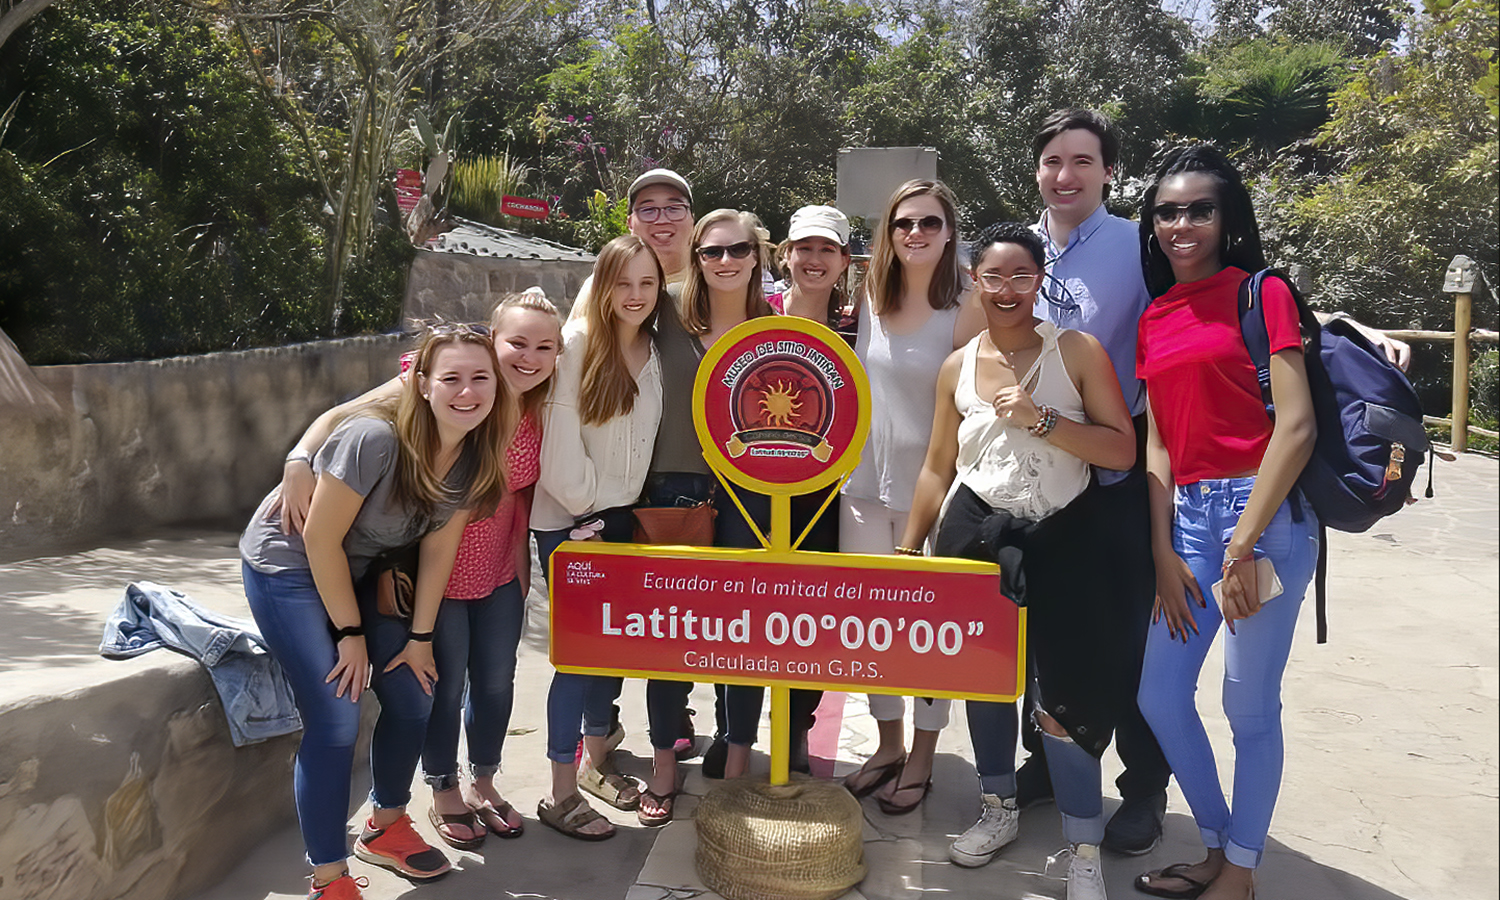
(418, 484)
(696, 317)
(607, 388)
(883, 282)
(531, 401)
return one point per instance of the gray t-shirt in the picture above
(361, 453)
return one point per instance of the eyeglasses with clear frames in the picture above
(673, 212)
(1018, 284)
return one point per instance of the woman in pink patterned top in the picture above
(480, 621)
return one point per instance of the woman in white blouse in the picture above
(599, 429)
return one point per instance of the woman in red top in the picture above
(1224, 512)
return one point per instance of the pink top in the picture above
(1199, 378)
(487, 552)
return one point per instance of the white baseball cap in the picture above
(660, 176)
(819, 221)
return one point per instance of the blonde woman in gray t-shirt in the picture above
(387, 479)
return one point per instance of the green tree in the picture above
(146, 205)
(346, 78)
(1413, 139)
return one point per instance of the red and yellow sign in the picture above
(876, 624)
(781, 405)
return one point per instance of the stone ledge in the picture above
(131, 788)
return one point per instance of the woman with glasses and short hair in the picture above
(1022, 412)
(912, 315)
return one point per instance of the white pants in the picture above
(869, 526)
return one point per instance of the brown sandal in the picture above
(663, 803)
(467, 819)
(570, 816)
(882, 775)
(496, 819)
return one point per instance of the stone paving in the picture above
(1390, 790)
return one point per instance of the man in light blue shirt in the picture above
(1095, 284)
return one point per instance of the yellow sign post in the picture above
(781, 406)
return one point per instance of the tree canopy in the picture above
(183, 176)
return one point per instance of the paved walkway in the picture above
(1392, 729)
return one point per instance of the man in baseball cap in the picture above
(661, 214)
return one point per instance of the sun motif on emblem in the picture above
(779, 404)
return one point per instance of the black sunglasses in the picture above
(734, 251)
(1199, 212)
(928, 224)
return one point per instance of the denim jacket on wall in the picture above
(252, 688)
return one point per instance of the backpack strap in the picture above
(1257, 337)
(1252, 314)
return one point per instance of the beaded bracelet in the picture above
(1046, 422)
(908, 551)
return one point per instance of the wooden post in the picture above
(1459, 281)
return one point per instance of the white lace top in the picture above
(1004, 464)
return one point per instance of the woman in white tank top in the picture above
(912, 314)
(1022, 412)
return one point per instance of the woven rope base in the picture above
(798, 841)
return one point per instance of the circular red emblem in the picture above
(781, 405)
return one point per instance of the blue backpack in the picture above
(1370, 436)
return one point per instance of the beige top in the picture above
(1006, 465)
(586, 468)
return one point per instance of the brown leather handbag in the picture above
(690, 526)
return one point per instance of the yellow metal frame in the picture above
(778, 547)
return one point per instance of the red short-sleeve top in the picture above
(487, 552)
(1199, 378)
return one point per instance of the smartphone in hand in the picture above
(1266, 580)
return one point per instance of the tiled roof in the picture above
(478, 239)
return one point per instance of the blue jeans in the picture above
(477, 638)
(1254, 659)
(992, 730)
(574, 700)
(294, 624)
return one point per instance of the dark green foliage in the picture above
(147, 204)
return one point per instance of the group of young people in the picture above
(1072, 396)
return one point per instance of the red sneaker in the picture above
(344, 887)
(399, 848)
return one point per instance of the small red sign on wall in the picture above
(525, 207)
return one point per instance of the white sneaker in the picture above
(1085, 876)
(999, 824)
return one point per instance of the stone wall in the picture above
(468, 287)
(130, 788)
(197, 439)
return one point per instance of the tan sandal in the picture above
(570, 816)
(618, 790)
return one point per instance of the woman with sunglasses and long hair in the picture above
(1023, 411)
(912, 316)
(1225, 516)
(480, 621)
(600, 425)
(722, 289)
(393, 475)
